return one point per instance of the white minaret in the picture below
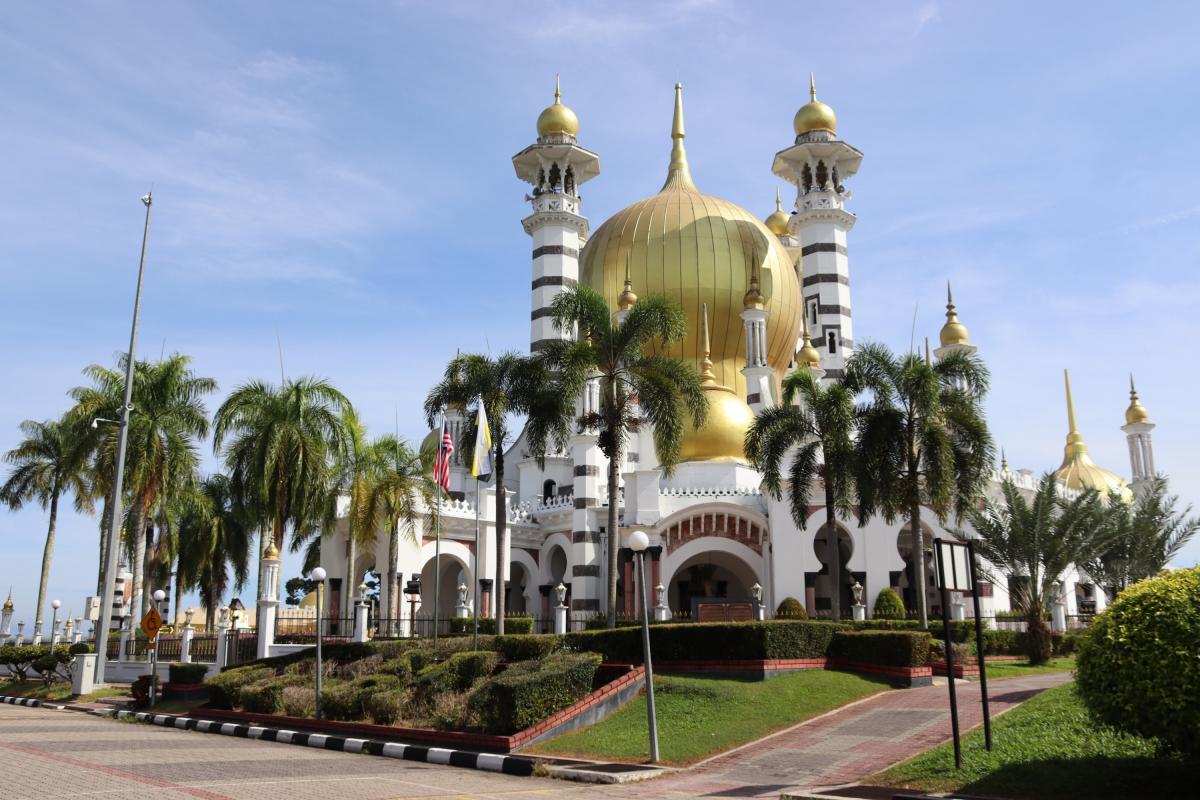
(953, 335)
(816, 165)
(760, 383)
(555, 166)
(6, 615)
(1137, 429)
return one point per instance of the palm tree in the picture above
(922, 441)
(392, 486)
(1035, 543)
(507, 386)
(1139, 539)
(637, 382)
(816, 433)
(279, 443)
(215, 535)
(353, 475)
(47, 464)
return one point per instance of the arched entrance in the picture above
(907, 581)
(823, 582)
(453, 572)
(710, 568)
(519, 583)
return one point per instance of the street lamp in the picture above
(318, 575)
(56, 605)
(638, 542)
(159, 595)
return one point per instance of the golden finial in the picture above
(1003, 461)
(814, 115)
(271, 551)
(777, 222)
(627, 297)
(8, 604)
(807, 356)
(953, 332)
(928, 361)
(778, 200)
(557, 89)
(1136, 413)
(812, 87)
(753, 297)
(557, 118)
(706, 374)
(679, 175)
(1075, 444)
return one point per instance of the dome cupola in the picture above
(814, 115)
(557, 118)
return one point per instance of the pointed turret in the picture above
(679, 174)
(1078, 471)
(1137, 430)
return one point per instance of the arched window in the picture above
(822, 175)
(806, 178)
(831, 337)
(569, 181)
(555, 176)
(548, 491)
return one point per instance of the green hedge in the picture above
(889, 648)
(526, 694)
(888, 605)
(461, 626)
(262, 697)
(716, 641)
(457, 673)
(527, 647)
(791, 608)
(224, 688)
(187, 673)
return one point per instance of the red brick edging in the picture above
(765, 667)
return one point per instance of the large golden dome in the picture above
(695, 249)
(1078, 470)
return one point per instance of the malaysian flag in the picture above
(441, 465)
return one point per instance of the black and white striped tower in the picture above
(555, 166)
(817, 164)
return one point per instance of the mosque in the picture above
(761, 298)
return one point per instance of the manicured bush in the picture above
(963, 652)
(224, 688)
(457, 673)
(187, 673)
(790, 608)
(341, 702)
(399, 668)
(383, 708)
(888, 605)
(526, 647)
(419, 659)
(19, 659)
(888, 648)
(715, 641)
(1066, 644)
(1000, 643)
(262, 697)
(520, 698)
(80, 648)
(140, 691)
(461, 626)
(299, 701)
(1138, 667)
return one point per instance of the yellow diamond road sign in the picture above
(151, 623)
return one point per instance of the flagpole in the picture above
(437, 565)
(475, 604)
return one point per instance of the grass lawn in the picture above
(701, 716)
(1018, 669)
(57, 692)
(1048, 748)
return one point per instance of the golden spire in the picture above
(679, 176)
(812, 87)
(557, 89)
(1136, 413)
(271, 551)
(627, 298)
(706, 365)
(777, 223)
(1075, 444)
(1003, 461)
(8, 604)
(753, 297)
(953, 332)
(807, 356)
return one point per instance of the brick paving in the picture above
(57, 754)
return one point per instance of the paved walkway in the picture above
(46, 755)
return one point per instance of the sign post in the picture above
(952, 576)
(151, 624)
(987, 716)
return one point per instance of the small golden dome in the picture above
(722, 437)
(1078, 471)
(753, 297)
(557, 118)
(1136, 412)
(953, 332)
(777, 223)
(814, 115)
(627, 297)
(807, 355)
(271, 551)
(8, 604)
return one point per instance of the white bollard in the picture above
(360, 621)
(860, 612)
(185, 644)
(560, 619)
(1058, 617)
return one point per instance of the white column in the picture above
(268, 601)
(361, 610)
(126, 630)
(185, 643)
(586, 545)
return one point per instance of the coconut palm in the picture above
(279, 444)
(353, 478)
(216, 535)
(637, 382)
(1035, 542)
(508, 386)
(922, 441)
(47, 464)
(815, 433)
(391, 488)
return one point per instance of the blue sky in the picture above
(338, 176)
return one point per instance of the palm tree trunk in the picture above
(148, 577)
(501, 539)
(137, 521)
(47, 554)
(613, 537)
(832, 541)
(918, 539)
(349, 611)
(393, 578)
(105, 524)
(178, 599)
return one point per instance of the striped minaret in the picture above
(817, 164)
(555, 166)
(587, 553)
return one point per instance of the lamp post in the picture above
(318, 575)
(638, 542)
(756, 591)
(56, 605)
(159, 595)
(111, 534)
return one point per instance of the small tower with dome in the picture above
(817, 164)
(1137, 430)
(555, 165)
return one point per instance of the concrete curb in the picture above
(490, 762)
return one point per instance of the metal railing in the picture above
(204, 648)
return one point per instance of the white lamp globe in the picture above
(638, 541)
(56, 604)
(159, 595)
(318, 574)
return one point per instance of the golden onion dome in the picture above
(953, 332)
(557, 118)
(8, 604)
(1078, 471)
(722, 437)
(427, 452)
(627, 298)
(814, 115)
(807, 355)
(1136, 413)
(695, 248)
(271, 551)
(777, 223)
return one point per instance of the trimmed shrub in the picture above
(399, 668)
(299, 701)
(519, 626)
(384, 707)
(140, 691)
(520, 698)
(790, 608)
(1066, 644)
(716, 641)
(224, 688)
(262, 697)
(19, 658)
(341, 702)
(888, 605)
(888, 648)
(1138, 668)
(79, 648)
(963, 652)
(419, 659)
(1000, 643)
(526, 647)
(187, 673)
(457, 673)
